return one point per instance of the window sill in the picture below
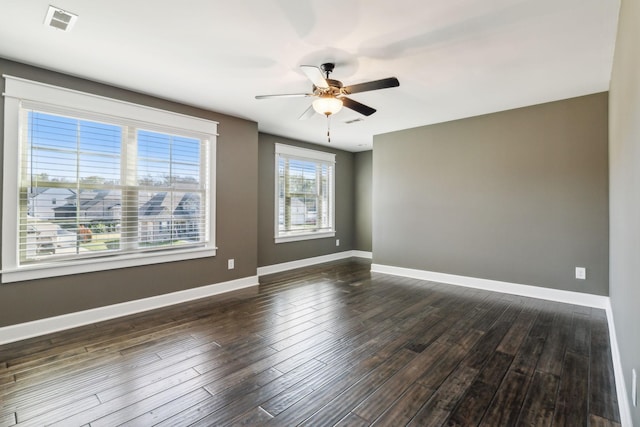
(306, 236)
(53, 269)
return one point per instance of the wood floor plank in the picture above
(538, 406)
(224, 414)
(329, 344)
(44, 415)
(484, 349)
(256, 416)
(580, 335)
(352, 420)
(245, 394)
(602, 399)
(518, 331)
(174, 373)
(328, 389)
(342, 404)
(507, 402)
(526, 358)
(372, 407)
(437, 409)
(405, 407)
(596, 421)
(129, 413)
(573, 395)
(74, 386)
(137, 402)
(472, 406)
(204, 403)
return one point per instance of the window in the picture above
(92, 183)
(304, 194)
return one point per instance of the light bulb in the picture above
(327, 105)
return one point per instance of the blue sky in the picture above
(55, 141)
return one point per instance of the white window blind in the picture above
(94, 189)
(304, 194)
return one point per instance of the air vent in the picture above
(60, 19)
(354, 121)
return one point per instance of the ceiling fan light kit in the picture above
(327, 105)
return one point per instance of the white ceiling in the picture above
(454, 58)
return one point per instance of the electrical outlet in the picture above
(634, 388)
(337, 242)
(231, 264)
(581, 273)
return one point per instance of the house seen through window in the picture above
(154, 202)
(304, 194)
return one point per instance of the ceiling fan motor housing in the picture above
(334, 88)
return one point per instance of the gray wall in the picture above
(363, 164)
(624, 158)
(236, 223)
(519, 196)
(270, 253)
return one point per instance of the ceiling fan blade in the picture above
(373, 85)
(285, 95)
(308, 113)
(315, 75)
(356, 106)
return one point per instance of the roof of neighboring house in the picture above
(161, 203)
(92, 200)
(37, 192)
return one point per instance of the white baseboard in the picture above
(362, 254)
(621, 388)
(558, 295)
(67, 321)
(277, 268)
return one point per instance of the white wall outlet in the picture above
(581, 273)
(634, 388)
(337, 242)
(231, 264)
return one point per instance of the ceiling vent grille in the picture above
(60, 19)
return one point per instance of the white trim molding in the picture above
(277, 268)
(320, 160)
(558, 295)
(362, 254)
(39, 327)
(621, 387)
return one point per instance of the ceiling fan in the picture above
(331, 93)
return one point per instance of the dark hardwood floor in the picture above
(327, 345)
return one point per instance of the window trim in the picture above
(309, 155)
(17, 91)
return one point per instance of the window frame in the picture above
(315, 156)
(54, 98)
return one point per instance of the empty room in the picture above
(321, 213)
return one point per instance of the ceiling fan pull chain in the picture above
(328, 128)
